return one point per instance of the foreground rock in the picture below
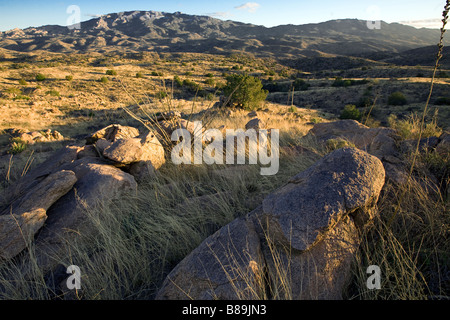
(379, 142)
(20, 222)
(60, 191)
(309, 229)
(97, 183)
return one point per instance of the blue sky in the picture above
(420, 13)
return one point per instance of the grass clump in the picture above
(111, 72)
(397, 99)
(40, 77)
(410, 128)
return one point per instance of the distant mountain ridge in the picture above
(178, 32)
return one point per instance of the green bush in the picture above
(178, 81)
(300, 85)
(350, 112)
(53, 93)
(441, 101)
(161, 95)
(104, 79)
(139, 75)
(397, 99)
(111, 72)
(69, 78)
(40, 77)
(245, 91)
(22, 82)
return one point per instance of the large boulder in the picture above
(20, 222)
(379, 142)
(112, 133)
(97, 183)
(306, 233)
(145, 147)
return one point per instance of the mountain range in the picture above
(177, 32)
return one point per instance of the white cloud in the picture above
(249, 6)
(93, 15)
(219, 14)
(426, 23)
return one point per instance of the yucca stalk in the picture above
(425, 110)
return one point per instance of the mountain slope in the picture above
(158, 31)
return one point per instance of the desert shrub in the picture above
(397, 99)
(139, 75)
(161, 94)
(340, 82)
(210, 82)
(350, 112)
(21, 97)
(69, 77)
(409, 128)
(157, 74)
(292, 109)
(17, 146)
(23, 82)
(300, 85)
(245, 91)
(53, 93)
(178, 81)
(104, 79)
(440, 101)
(209, 75)
(111, 72)
(40, 77)
(13, 90)
(191, 85)
(334, 144)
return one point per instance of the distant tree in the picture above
(397, 99)
(245, 91)
(300, 85)
(350, 112)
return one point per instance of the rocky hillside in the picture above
(178, 32)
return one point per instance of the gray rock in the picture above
(112, 133)
(443, 147)
(315, 200)
(256, 124)
(375, 141)
(67, 218)
(218, 268)
(146, 147)
(300, 242)
(40, 172)
(26, 216)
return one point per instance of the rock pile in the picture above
(49, 204)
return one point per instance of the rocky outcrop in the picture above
(20, 222)
(375, 141)
(112, 133)
(305, 232)
(62, 189)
